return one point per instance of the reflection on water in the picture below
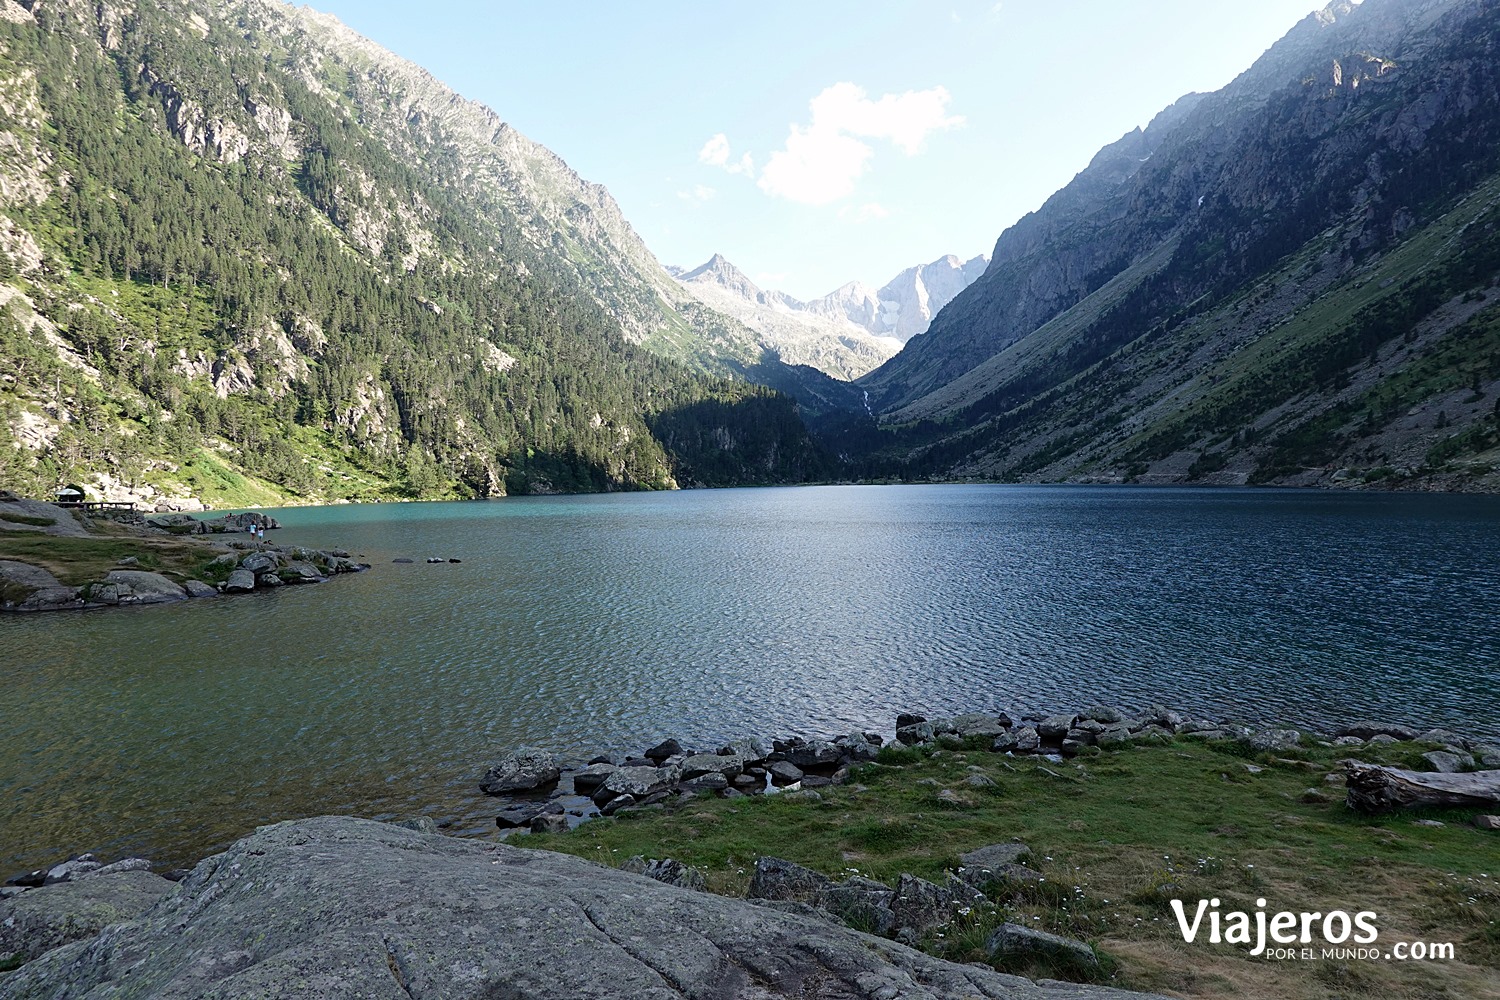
(609, 622)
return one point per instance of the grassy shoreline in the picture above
(1115, 835)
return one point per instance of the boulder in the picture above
(1367, 731)
(1027, 740)
(258, 563)
(917, 732)
(815, 753)
(707, 763)
(522, 770)
(39, 920)
(861, 903)
(979, 724)
(638, 782)
(919, 906)
(785, 773)
(1487, 822)
(995, 855)
(1274, 739)
(588, 780)
(339, 907)
(905, 719)
(1114, 735)
(775, 878)
(521, 814)
(197, 588)
(1449, 763)
(132, 586)
(616, 804)
(1010, 941)
(1055, 727)
(663, 750)
(1106, 714)
(241, 581)
(668, 870)
(711, 782)
(749, 749)
(552, 822)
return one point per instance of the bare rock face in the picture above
(338, 907)
(39, 920)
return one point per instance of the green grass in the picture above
(76, 561)
(1116, 836)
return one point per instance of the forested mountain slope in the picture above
(1293, 280)
(247, 254)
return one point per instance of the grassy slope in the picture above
(1117, 835)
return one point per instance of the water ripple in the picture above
(589, 623)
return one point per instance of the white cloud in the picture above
(868, 212)
(715, 153)
(697, 194)
(824, 159)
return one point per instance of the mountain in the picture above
(1293, 280)
(248, 256)
(845, 333)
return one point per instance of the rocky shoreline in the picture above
(540, 794)
(231, 560)
(52, 920)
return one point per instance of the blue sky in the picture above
(878, 135)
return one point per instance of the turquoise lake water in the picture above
(609, 622)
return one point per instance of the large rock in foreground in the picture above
(42, 919)
(338, 907)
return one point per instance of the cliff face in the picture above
(248, 255)
(1289, 280)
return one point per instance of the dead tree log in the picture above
(1377, 789)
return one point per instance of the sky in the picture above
(815, 143)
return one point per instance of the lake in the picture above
(594, 623)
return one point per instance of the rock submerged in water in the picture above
(386, 912)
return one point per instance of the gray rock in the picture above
(1114, 735)
(521, 814)
(1274, 739)
(115, 868)
(269, 580)
(784, 773)
(131, 586)
(616, 804)
(979, 781)
(1487, 822)
(73, 868)
(522, 770)
(1004, 742)
(241, 581)
(663, 750)
(1106, 714)
(1369, 730)
(711, 782)
(1448, 763)
(42, 919)
(258, 563)
(995, 855)
(920, 906)
(197, 588)
(919, 732)
(1028, 740)
(588, 780)
(815, 753)
(1015, 941)
(1055, 727)
(417, 824)
(707, 763)
(639, 782)
(554, 822)
(978, 724)
(667, 870)
(775, 878)
(861, 903)
(337, 907)
(750, 749)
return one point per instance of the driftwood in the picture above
(1377, 789)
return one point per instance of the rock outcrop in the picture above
(338, 907)
(38, 920)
